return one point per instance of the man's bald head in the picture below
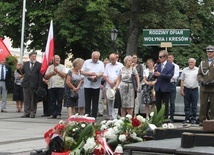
(113, 58)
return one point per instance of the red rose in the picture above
(135, 122)
(98, 132)
(59, 127)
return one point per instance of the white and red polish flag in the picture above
(4, 52)
(49, 50)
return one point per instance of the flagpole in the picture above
(22, 33)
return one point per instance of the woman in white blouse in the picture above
(148, 95)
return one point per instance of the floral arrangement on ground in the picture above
(81, 135)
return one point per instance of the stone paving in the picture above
(21, 135)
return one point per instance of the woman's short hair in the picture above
(126, 58)
(77, 61)
(19, 63)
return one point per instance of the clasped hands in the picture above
(203, 83)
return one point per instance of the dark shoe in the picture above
(25, 116)
(32, 116)
(99, 115)
(200, 123)
(186, 122)
(51, 117)
(193, 121)
(171, 120)
(3, 110)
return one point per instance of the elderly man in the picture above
(55, 75)
(189, 90)
(30, 83)
(111, 74)
(206, 78)
(93, 71)
(164, 73)
(5, 76)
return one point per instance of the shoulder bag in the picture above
(72, 94)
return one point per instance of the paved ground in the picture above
(21, 135)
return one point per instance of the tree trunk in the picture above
(134, 27)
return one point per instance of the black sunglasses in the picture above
(161, 56)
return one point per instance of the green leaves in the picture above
(84, 26)
(158, 118)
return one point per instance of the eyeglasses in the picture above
(161, 57)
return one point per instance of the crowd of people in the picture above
(91, 84)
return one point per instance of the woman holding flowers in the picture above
(73, 81)
(127, 91)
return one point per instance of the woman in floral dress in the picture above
(73, 81)
(127, 91)
(148, 93)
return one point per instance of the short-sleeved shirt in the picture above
(112, 72)
(126, 74)
(90, 66)
(176, 73)
(56, 81)
(189, 76)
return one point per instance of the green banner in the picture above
(154, 37)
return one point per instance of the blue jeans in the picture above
(172, 100)
(55, 97)
(190, 103)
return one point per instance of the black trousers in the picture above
(163, 98)
(91, 97)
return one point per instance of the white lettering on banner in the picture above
(178, 39)
(158, 32)
(178, 32)
(154, 38)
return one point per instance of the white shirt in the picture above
(163, 65)
(176, 73)
(189, 76)
(90, 66)
(112, 72)
(56, 81)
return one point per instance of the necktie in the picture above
(31, 67)
(2, 72)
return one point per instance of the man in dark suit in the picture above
(31, 81)
(5, 75)
(164, 72)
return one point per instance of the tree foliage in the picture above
(81, 27)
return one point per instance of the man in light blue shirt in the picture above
(93, 70)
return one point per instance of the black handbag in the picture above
(134, 81)
(117, 100)
(41, 94)
(73, 94)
